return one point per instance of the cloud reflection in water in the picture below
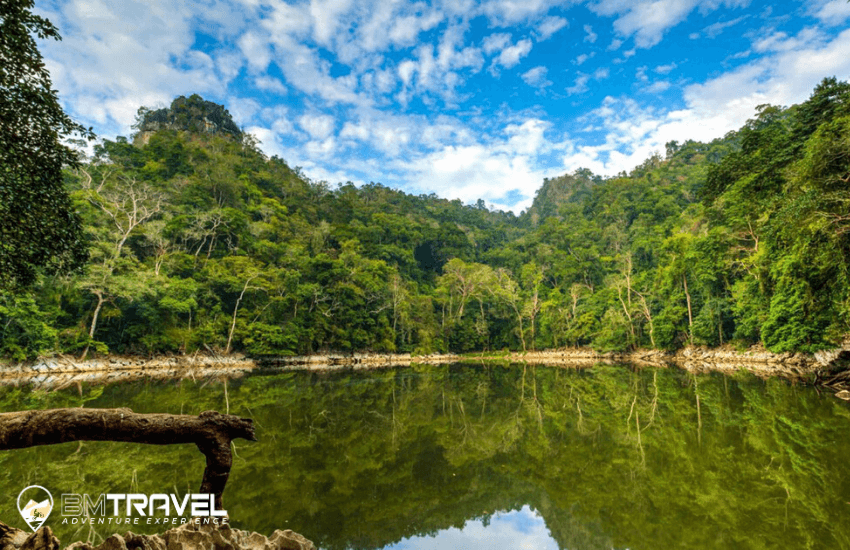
(517, 530)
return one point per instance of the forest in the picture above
(197, 241)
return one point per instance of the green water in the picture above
(608, 457)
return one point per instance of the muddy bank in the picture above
(822, 367)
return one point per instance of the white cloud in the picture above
(834, 12)
(648, 20)
(405, 71)
(242, 110)
(536, 77)
(475, 171)
(318, 126)
(589, 35)
(379, 82)
(579, 85)
(284, 20)
(550, 26)
(495, 42)
(452, 55)
(228, 64)
(303, 68)
(583, 57)
(270, 84)
(406, 29)
(665, 69)
(511, 56)
(657, 87)
(354, 131)
(715, 29)
(781, 42)
(525, 139)
(320, 148)
(328, 19)
(507, 12)
(517, 530)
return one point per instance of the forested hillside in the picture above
(198, 241)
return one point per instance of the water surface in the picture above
(496, 456)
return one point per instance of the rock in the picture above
(190, 536)
(290, 540)
(11, 538)
(42, 539)
(843, 394)
(16, 539)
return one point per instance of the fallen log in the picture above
(210, 431)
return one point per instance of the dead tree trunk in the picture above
(210, 431)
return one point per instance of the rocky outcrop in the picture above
(190, 536)
(191, 114)
(15, 539)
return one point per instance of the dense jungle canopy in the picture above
(197, 240)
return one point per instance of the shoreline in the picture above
(62, 371)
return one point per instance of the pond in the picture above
(481, 456)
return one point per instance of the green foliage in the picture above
(198, 241)
(24, 328)
(38, 227)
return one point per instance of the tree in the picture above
(38, 229)
(124, 205)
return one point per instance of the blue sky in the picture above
(466, 99)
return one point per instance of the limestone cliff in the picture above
(192, 114)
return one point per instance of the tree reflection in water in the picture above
(607, 457)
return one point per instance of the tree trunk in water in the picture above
(210, 431)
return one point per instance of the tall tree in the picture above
(38, 229)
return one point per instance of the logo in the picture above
(37, 508)
(120, 509)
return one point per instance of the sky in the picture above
(465, 99)
(522, 529)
